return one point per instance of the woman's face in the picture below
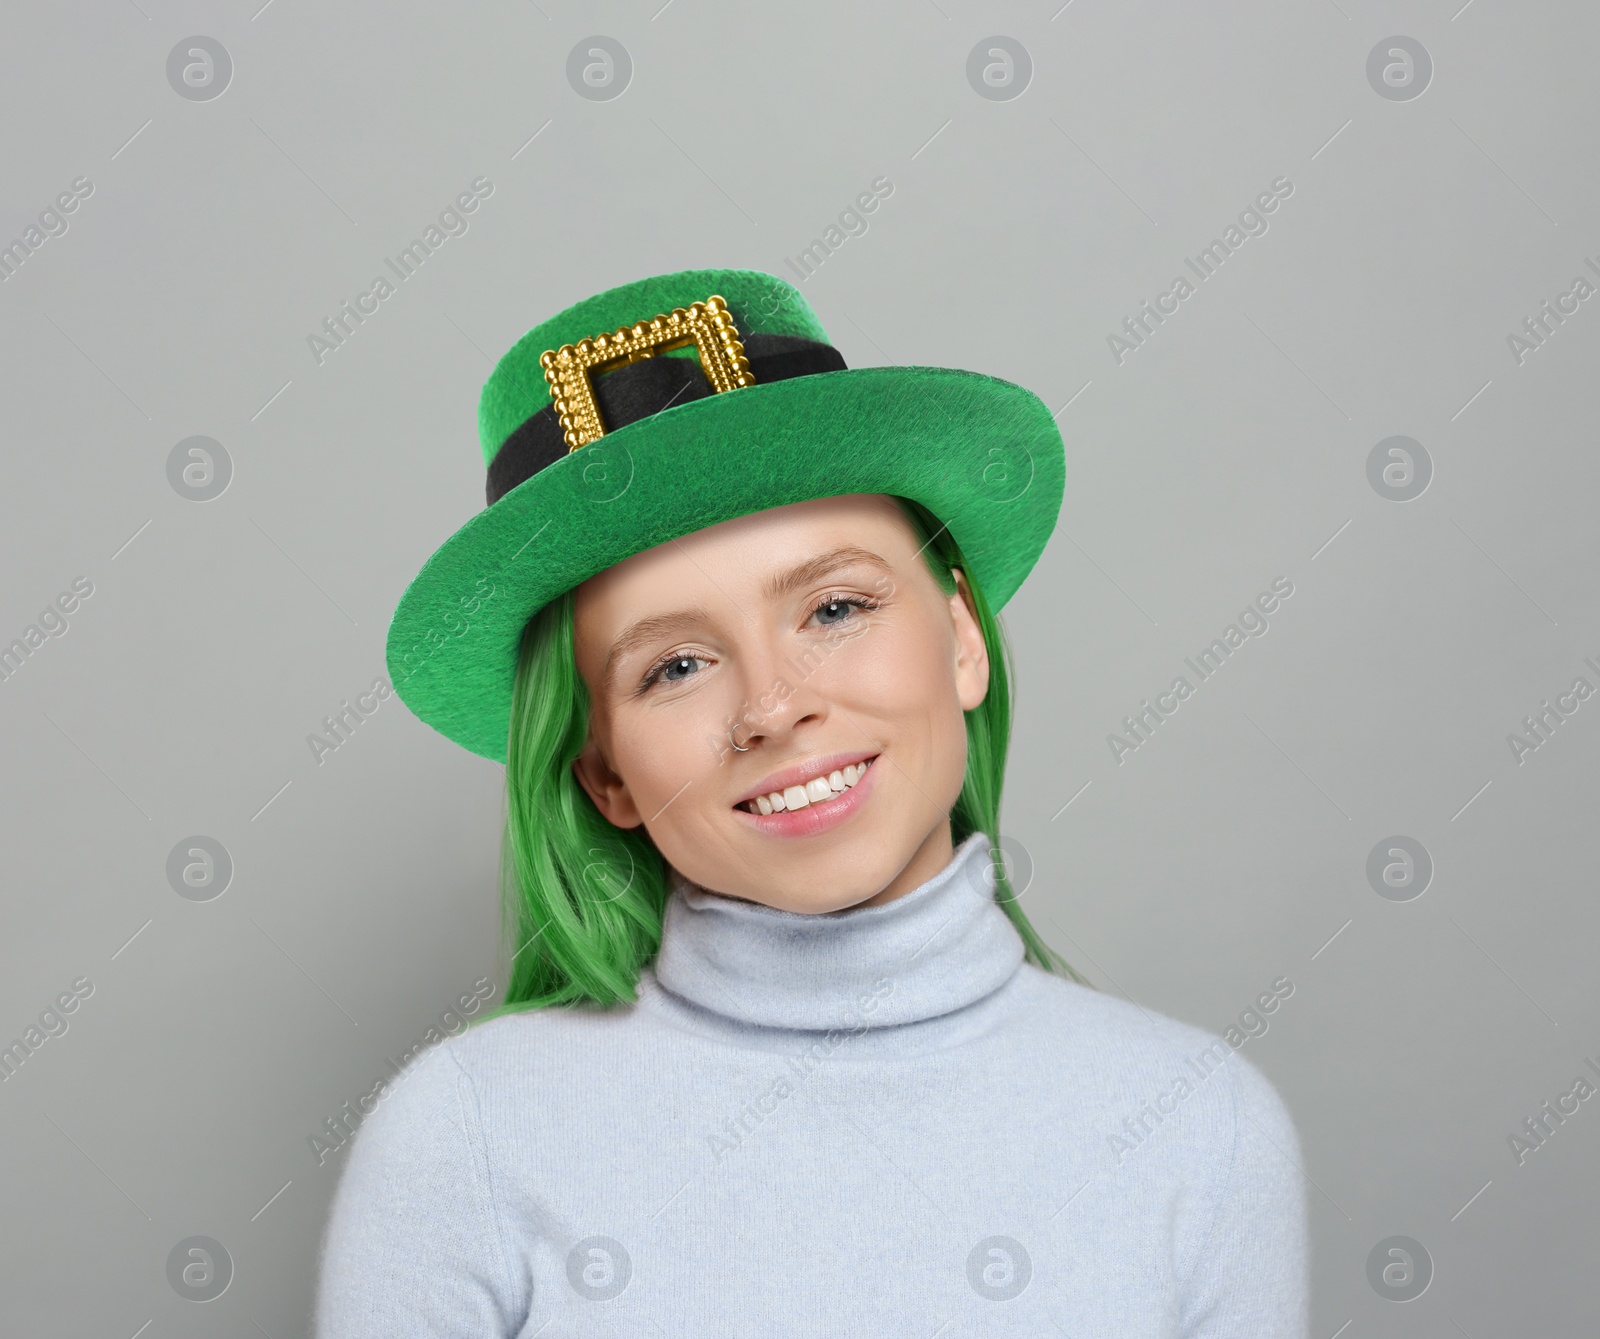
(813, 637)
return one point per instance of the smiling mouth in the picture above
(818, 790)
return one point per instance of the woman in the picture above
(781, 1053)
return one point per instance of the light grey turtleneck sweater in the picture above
(879, 1121)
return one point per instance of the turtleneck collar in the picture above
(943, 945)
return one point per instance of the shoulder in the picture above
(1162, 1103)
(1109, 1024)
(1139, 1055)
(433, 1097)
(416, 1221)
(501, 1058)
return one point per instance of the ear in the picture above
(608, 790)
(972, 656)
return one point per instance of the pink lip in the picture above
(816, 817)
(802, 772)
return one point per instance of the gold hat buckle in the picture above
(708, 325)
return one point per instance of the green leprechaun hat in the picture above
(670, 404)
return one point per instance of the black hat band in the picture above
(646, 387)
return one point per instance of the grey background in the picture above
(1228, 451)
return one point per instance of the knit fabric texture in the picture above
(880, 1121)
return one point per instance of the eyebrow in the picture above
(776, 586)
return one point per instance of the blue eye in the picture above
(668, 670)
(843, 606)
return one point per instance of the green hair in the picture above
(582, 900)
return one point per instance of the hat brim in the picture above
(984, 455)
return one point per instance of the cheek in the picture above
(910, 678)
(657, 751)
(904, 674)
(650, 749)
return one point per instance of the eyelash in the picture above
(860, 602)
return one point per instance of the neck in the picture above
(937, 947)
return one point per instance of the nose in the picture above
(780, 696)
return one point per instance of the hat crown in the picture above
(758, 302)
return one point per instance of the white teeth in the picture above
(812, 792)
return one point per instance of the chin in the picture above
(821, 906)
(839, 879)
(835, 880)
